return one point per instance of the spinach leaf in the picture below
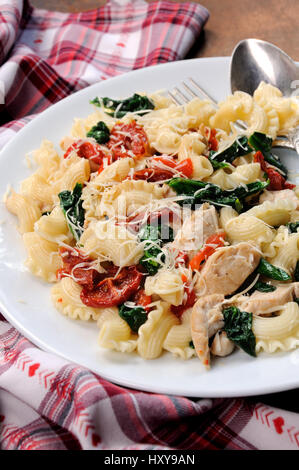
(273, 272)
(198, 192)
(100, 132)
(296, 272)
(71, 205)
(191, 344)
(239, 148)
(156, 232)
(238, 327)
(159, 234)
(119, 108)
(217, 165)
(134, 316)
(293, 227)
(261, 142)
(264, 287)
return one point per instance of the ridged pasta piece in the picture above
(111, 242)
(274, 213)
(125, 198)
(36, 187)
(241, 106)
(287, 109)
(73, 170)
(230, 178)
(53, 227)
(226, 214)
(285, 248)
(245, 174)
(167, 284)
(222, 178)
(47, 159)
(280, 333)
(153, 332)
(92, 192)
(191, 146)
(43, 259)
(199, 112)
(245, 228)
(178, 339)
(160, 101)
(115, 332)
(65, 295)
(26, 209)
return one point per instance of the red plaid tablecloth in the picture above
(45, 401)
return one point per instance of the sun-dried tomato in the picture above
(128, 140)
(152, 175)
(84, 274)
(95, 153)
(190, 301)
(277, 181)
(113, 291)
(140, 298)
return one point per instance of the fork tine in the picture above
(181, 95)
(174, 99)
(203, 92)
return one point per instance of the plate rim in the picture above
(48, 348)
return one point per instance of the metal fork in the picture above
(194, 90)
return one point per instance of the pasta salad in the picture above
(168, 227)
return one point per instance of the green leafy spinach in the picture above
(119, 108)
(273, 272)
(261, 142)
(71, 205)
(198, 192)
(238, 327)
(134, 316)
(100, 132)
(155, 236)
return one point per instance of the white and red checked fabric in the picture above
(47, 402)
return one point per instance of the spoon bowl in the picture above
(254, 60)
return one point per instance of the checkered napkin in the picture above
(47, 402)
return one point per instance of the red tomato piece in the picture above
(140, 298)
(191, 298)
(128, 140)
(93, 152)
(217, 240)
(277, 181)
(182, 258)
(185, 167)
(212, 141)
(152, 175)
(113, 291)
(166, 160)
(83, 275)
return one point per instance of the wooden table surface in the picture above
(230, 21)
(276, 21)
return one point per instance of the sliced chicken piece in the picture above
(222, 346)
(196, 229)
(261, 303)
(206, 320)
(226, 270)
(273, 196)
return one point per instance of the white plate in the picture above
(25, 300)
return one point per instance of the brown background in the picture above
(276, 21)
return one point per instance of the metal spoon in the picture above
(253, 61)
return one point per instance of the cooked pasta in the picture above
(168, 227)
